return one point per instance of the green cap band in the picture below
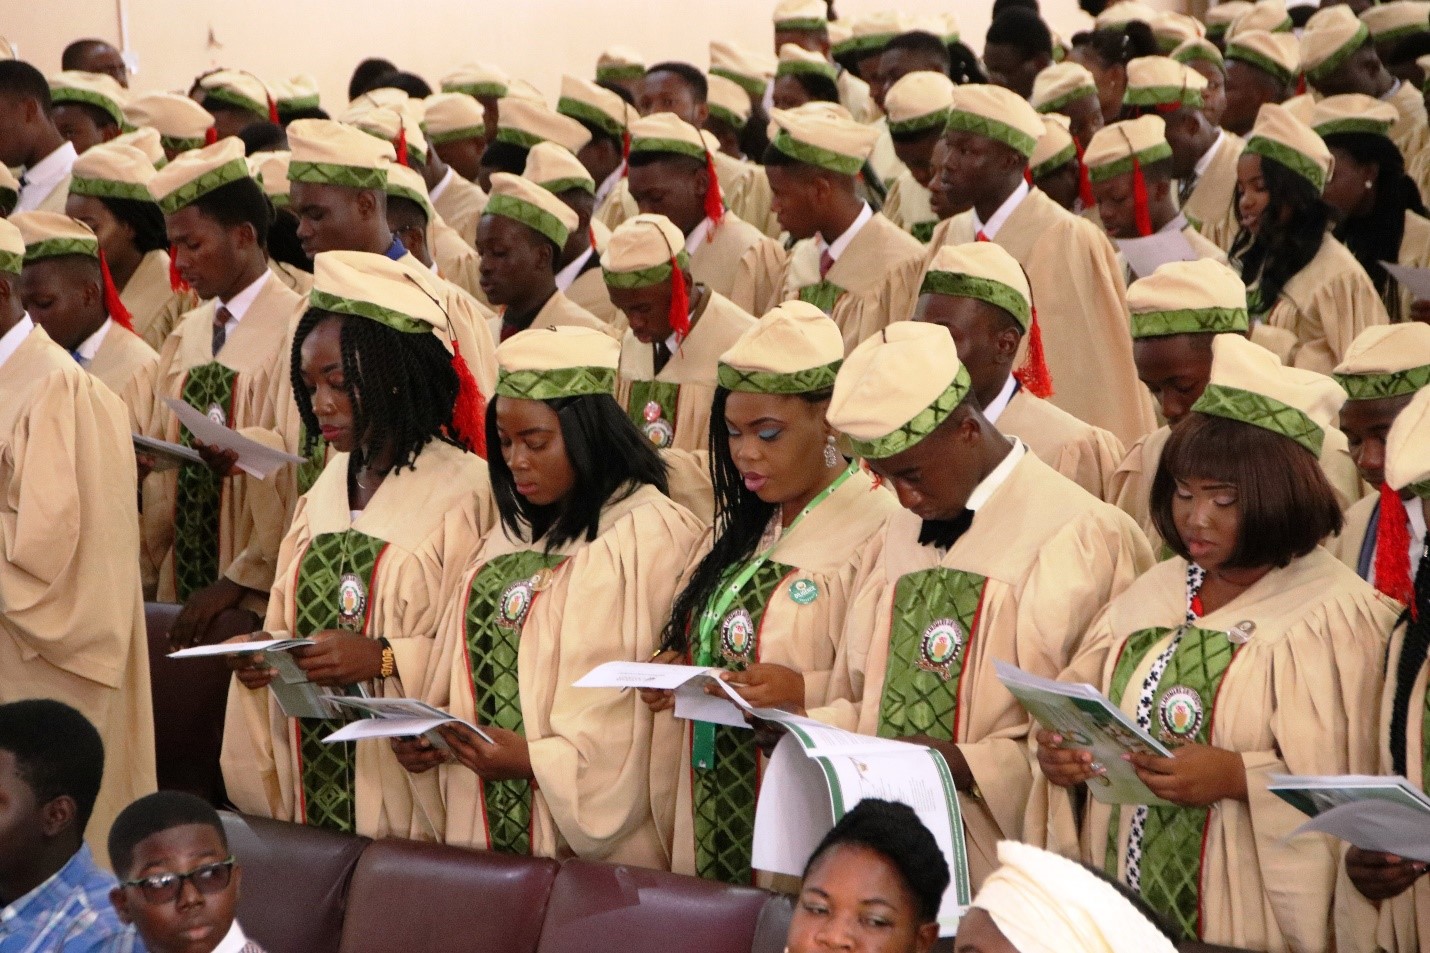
(414, 152)
(817, 156)
(517, 137)
(576, 109)
(1015, 139)
(807, 381)
(1200, 52)
(1354, 124)
(1379, 386)
(1268, 413)
(68, 94)
(727, 116)
(618, 73)
(1298, 162)
(323, 301)
(1162, 96)
(1160, 324)
(925, 123)
(229, 97)
(754, 85)
(1400, 33)
(870, 43)
(476, 90)
(11, 263)
(294, 103)
(411, 195)
(570, 183)
(800, 67)
(190, 192)
(801, 25)
(645, 277)
(1122, 166)
(952, 284)
(328, 173)
(1059, 159)
(555, 384)
(924, 423)
(457, 135)
(677, 146)
(109, 189)
(1333, 62)
(1264, 63)
(1056, 105)
(59, 247)
(1420, 490)
(176, 145)
(533, 217)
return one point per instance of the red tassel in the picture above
(591, 235)
(1392, 549)
(679, 303)
(400, 144)
(1028, 174)
(1084, 184)
(625, 154)
(114, 306)
(210, 135)
(1139, 199)
(714, 201)
(469, 413)
(273, 111)
(1034, 375)
(1301, 84)
(177, 284)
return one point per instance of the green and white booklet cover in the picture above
(1384, 813)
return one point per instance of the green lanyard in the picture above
(703, 748)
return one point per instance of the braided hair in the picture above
(740, 520)
(1282, 248)
(1413, 652)
(402, 387)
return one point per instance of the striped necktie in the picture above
(222, 316)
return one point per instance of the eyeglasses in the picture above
(164, 888)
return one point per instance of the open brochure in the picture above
(254, 458)
(298, 697)
(1145, 255)
(1088, 721)
(1414, 280)
(396, 718)
(1382, 813)
(166, 455)
(688, 682)
(817, 774)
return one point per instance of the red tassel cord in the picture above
(1139, 199)
(400, 144)
(112, 304)
(177, 284)
(625, 154)
(210, 135)
(273, 111)
(1392, 549)
(1028, 174)
(469, 413)
(1084, 184)
(1034, 374)
(1301, 84)
(679, 303)
(714, 201)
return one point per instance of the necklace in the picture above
(357, 477)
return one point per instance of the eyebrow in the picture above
(757, 421)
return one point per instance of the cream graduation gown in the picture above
(123, 361)
(1212, 205)
(741, 263)
(296, 279)
(672, 408)
(1355, 546)
(456, 261)
(525, 623)
(385, 572)
(910, 206)
(1085, 454)
(884, 160)
(1227, 875)
(1021, 585)
(558, 311)
(461, 204)
(71, 610)
(151, 300)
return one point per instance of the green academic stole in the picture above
(497, 605)
(312, 467)
(923, 231)
(935, 613)
(335, 577)
(723, 795)
(652, 409)
(823, 295)
(207, 388)
(1183, 710)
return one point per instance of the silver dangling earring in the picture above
(831, 455)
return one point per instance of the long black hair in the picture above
(1413, 652)
(741, 518)
(144, 218)
(611, 460)
(1282, 248)
(402, 387)
(1375, 237)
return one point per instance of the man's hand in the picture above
(340, 658)
(252, 668)
(1381, 876)
(661, 699)
(204, 606)
(418, 755)
(508, 759)
(1420, 311)
(223, 463)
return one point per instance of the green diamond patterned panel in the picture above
(497, 605)
(329, 777)
(200, 492)
(1133, 652)
(824, 295)
(648, 397)
(933, 620)
(923, 231)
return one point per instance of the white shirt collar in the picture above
(239, 304)
(44, 176)
(14, 337)
(1177, 223)
(1205, 161)
(90, 346)
(566, 276)
(998, 477)
(1000, 403)
(233, 941)
(1391, 92)
(1005, 211)
(837, 247)
(604, 189)
(436, 192)
(698, 236)
(1415, 509)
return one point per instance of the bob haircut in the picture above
(1287, 505)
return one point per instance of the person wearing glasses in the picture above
(181, 883)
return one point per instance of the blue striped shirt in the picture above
(70, 912)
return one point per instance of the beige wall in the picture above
(536, 39)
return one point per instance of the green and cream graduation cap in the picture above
(1188, 297)
(1248, 383)
(196, 173)
(796, 60)
(555, 363)
(871, 32)
(1275, 54)
(794, 349)
(299, 92)
(90, 89)
(556, 170)
(452, 117)
(801, 16)
(729, 102)
(1174, 29)
(1055, 147)
(1124, 12)
(896, 388)
(526, 202)
(1161, 84)
(1394, 21)
(1060, 84)
(752, 71)
(1407, 470)
(12, 248)
(1268, 15)
(1333, 37)
(1198, 50)
(145, 139)
(1389, 360)
(52, 235)
(270, 170)
(110, 171)
(1220, 17)
(647, 250)
(524, 123)
(240, 89)
(477, 80)
(918, 103)
(821, 137)
(325, 152)
(619, 64)
(405, 182)
(1281, 137)
(1125, 148)
(995, 113)
(585, 101)
(1353, 112)
(400, 125)
(182, 124)
(667, 132)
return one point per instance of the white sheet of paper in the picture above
(384, 728)
(253, 458)
(1414, 280)
(1376, 825)
(641, 675)
(399, 710)
(240, 648)
(1146, 255)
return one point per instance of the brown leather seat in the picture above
(772, 930)
(189, 699)
(295, 885)
(412, 896)
(604, 908)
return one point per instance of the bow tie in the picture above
(944, 533)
